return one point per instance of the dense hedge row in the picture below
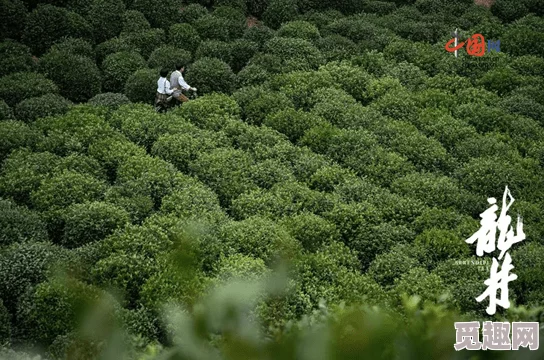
(337, 141)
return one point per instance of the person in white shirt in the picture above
(177, 83)
(163, 90)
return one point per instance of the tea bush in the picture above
(291, 122)
(134, 21)
(118, 67)
(226, 171)
(20, 224)
(167, 57)
(25, 265)
(299, 29)
(23, 172)
(142, 86)
(145, 41)
(278, 12)
(13, 15)
(211, 75)
(109, 47)
(14, 57)
(192, 12)
(14, 135)
(66, 188)
(159, 15)
(184, 36)
(47, 105)
(88, 222)
(295, 54)
(106, 18)
(14, 87)
(312, 231)
(257, 237)
(65, 70)
(47, 23)
(112, 101)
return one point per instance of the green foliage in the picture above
(134, 21)
(145, 41)
(225, 171)
(5, 328)
(224, 24)
(257, 237)
(314, 280)
(442, 244)
(20, 224)
(418, 281)
(280, 11)
(5, 111)
(109, 47)
(389, 266)
(75, 46)
(106, 18)
(295, 54)
(47, 105)
(167, 56)
(508, 10)
(118, 67)
(489, 176)
(88, 222)
(530, 65)
(259, 34)
(501, 80)
(129, 258)
(113, 151)
(66, 188)
(214, 49)
(211, 112)
(211, 75)
(291, 122)
(23, 171)
(192, 12)
(25, 265)
(256, 110)
(435, 190)
(14, 57)
(184, 36)
(72, 132)
(252, 75)
(159, 15)
(193, 201)
(235, 4)
(300, 87)
(47, 23)
(55, 300)
(241, 51)
(367, 35)
(181, 149)
(14, 135)
(299, 29)
(336, 47)
(112, 101)
(14, 88)
(529, 284)
(146, 175)
(65, 70)
(312, 231)
(13, 14)
(523, 105)
(142, 86)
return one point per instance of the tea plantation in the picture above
(312, 203)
